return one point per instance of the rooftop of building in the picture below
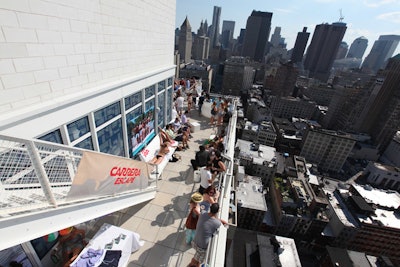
(250, 193)
(260, 155)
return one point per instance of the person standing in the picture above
(201, 101)
(207, 225)
(205, 178)
(193, 217)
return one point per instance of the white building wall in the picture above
(61, 59)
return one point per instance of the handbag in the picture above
(191, 221)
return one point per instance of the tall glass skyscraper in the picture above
(382, 50)
(258, 28)
(214, 34)
(323, 49)
(300, 45)
(357, 48)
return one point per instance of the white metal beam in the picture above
(18, 229)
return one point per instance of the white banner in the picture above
(102, 175)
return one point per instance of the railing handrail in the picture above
(224, 200)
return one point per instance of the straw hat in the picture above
(197, 197)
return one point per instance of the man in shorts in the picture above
(207, 225)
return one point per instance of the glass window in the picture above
(107, 113)
(161, 86)
(169, 104)
(149, 91)
(110, 139)
(86, 144)
(133, 100)
(17, 254)
(133, 114)
(54, 137)
(170, 81)
(149, 105)
(78, 128)
(161, 105)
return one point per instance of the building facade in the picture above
(185, 41)
(214, 31)
(323, 49)
(357, 48)
(300, 46)
(381, 51)
(288, 107)
(79, 78)
(258, 27)
(328, 149)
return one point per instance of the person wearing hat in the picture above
(191, 221)
(207, 225)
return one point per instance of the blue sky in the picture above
(369, 18)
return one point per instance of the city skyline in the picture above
(377, 17)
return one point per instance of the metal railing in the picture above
(215, 255)
(35, 175)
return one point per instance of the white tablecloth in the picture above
(106, 235)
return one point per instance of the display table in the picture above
(109, 238)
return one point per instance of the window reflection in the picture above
(161, 105)
(110, 139)
(107, 113)
(161, 86)
(86, 144)
(150, 91)
(133, 100)
(170, 81)
(78, 128)
(54, 137)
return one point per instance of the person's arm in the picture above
(221, 166)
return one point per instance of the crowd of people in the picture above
(202, 221)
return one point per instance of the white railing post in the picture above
(41, 172)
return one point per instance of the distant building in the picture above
(392, 151)
(228, 28)
(328, 149)
(252, 205)
(381, 114)
(323, 49)
(238, 75)
(288, 107)
(258, 28)
(381, 51)
(383, 176)
(258, 160)
(300, 46)
(263, 133)
(283, 81)
(214, 33)
(342, 51)
(276, 37)
(342, 257)
(251, 248)
(200, 70)
(357, 48)
(185, 41)
(297, 207)
(365, 219)
(201, 48)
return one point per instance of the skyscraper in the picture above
(185, 41)
(276, 37)
(381, 115)
(258, 27)
(323, 48)
(228, 27)
(214, 34)
(357, 48)
(382, 50)
(300, 45)
(342, 51)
